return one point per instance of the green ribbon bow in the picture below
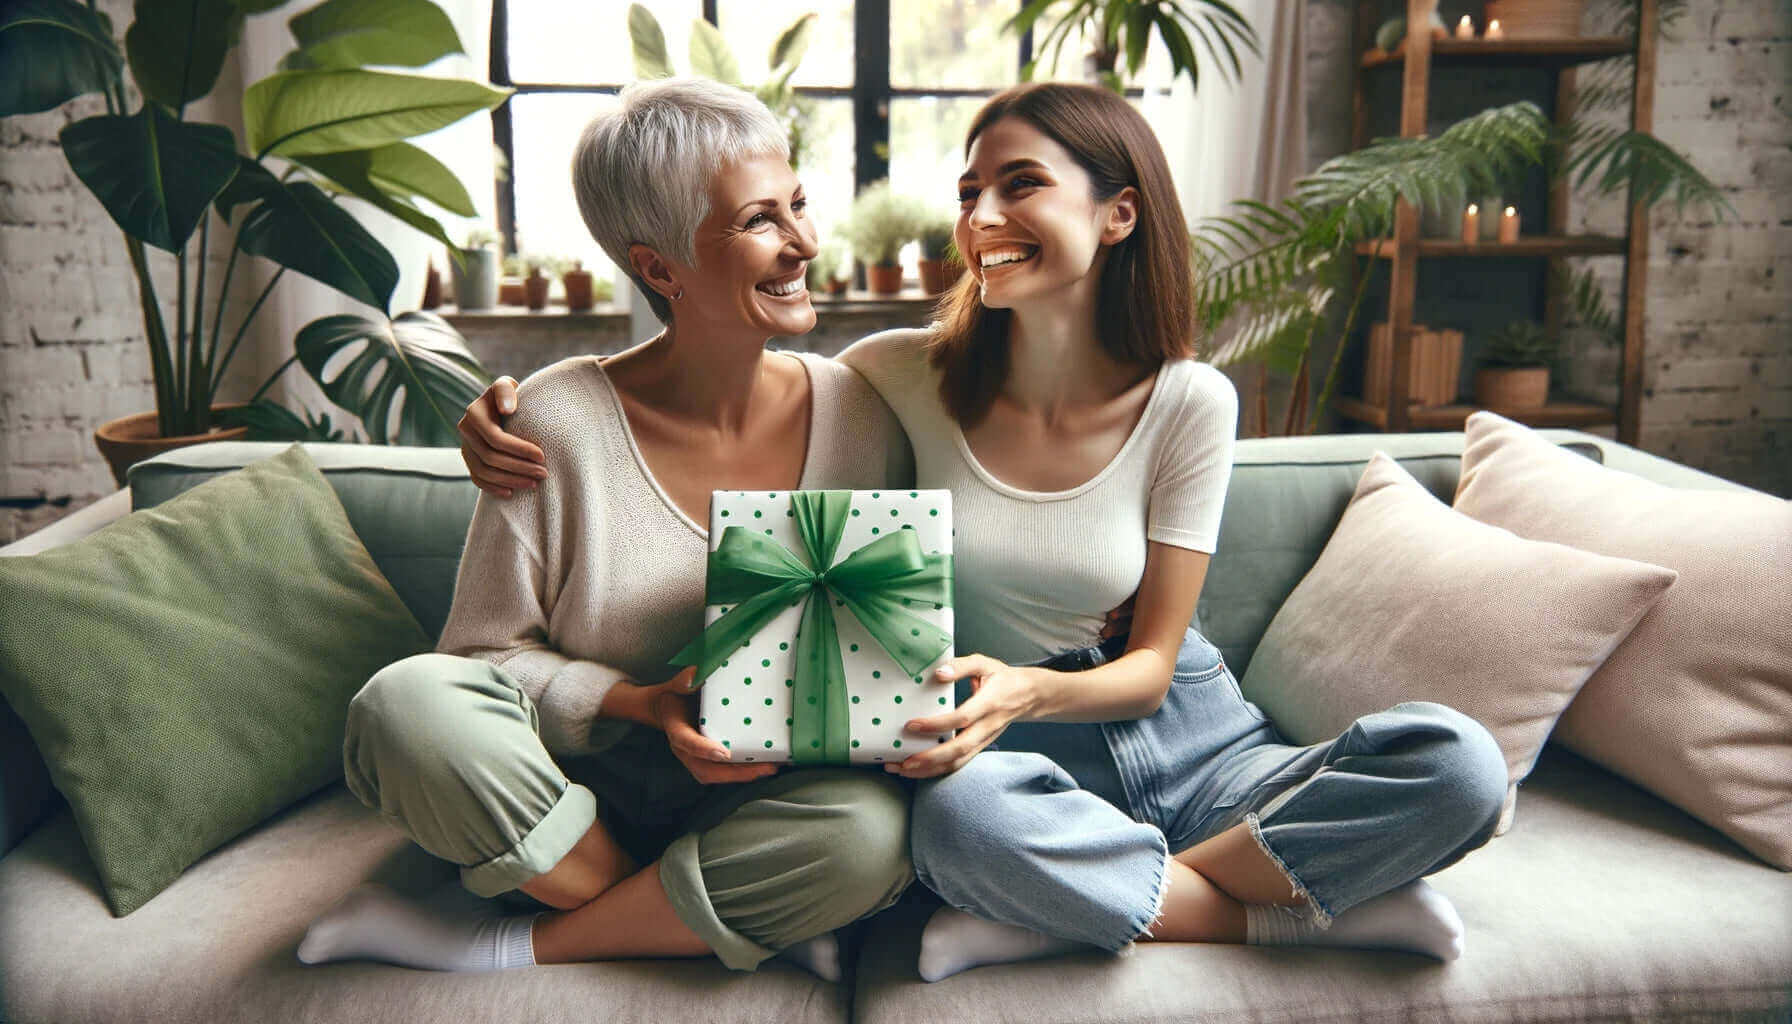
(762, 577)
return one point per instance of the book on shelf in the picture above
(1433, 372)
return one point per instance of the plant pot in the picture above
(1512, 387)
(511, 293)
(837, 285)
(884, 279)
(578, 290)
(933, 276)
(129, 440)
(535, 290)
(476, 281)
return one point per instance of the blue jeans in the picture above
(1067, 828)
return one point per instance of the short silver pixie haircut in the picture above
(641, 172)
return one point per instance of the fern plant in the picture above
(1269, 277)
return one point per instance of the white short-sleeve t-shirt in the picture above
(1037, 572)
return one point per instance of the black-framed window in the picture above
(889, 96)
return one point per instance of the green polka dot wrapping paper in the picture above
(827, 614)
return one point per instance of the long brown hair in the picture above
(1144, 306)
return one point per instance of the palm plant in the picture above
(712, 58)
(322, 126)
(1270, 276)
(1115, 28)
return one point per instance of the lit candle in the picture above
(1494, 31)
(1471, 224)
(1509, 225)
(1465, 29)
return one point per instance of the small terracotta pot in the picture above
(933, 276)
(432, 288)
(837, 285)
(1519, 387)
(578, 290)
(129, 440)
(535, 289)
(884, 279)
(511, 293)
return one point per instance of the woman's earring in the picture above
(678, 295)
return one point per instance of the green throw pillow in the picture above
(186, 671)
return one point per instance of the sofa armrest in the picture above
(73, 526)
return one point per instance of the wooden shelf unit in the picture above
(1405, 249)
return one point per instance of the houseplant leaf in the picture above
(710, 55)
(357, 174)
(350, 33)
(793, 42)
(52, 51)
(299, 227)
(398, 169)
(153, 174)
(299, 112)
(649, 44)
(271, 421)
(177, 47)
(408, 379)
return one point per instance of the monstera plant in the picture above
(322, 127)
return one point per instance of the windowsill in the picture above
(854, 301)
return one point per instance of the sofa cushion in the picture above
(186, 671)
(410, 506)
(1411, 600)
(1696, 705)
(220, 944)
(1602, 903)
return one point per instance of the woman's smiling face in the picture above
(753, 250)
(1028, 223)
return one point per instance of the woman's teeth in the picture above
(1002, 257)
(787, 288)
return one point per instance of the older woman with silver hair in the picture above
(548, 747)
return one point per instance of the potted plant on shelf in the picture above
(1112, 29)
(880, 224)
(510, 288)
(576, 281)
(825, 272)
(937, 256)
(323, 126)
(1514, 367)
(476, 271)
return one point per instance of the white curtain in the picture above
(1241, 139)
(466, 147)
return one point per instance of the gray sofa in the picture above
(1602, 902)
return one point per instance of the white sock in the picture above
(374, 923)
(1414, 918)
(955, 941)
(820, 956)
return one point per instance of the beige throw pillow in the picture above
(1412, 601)
(1697, 704)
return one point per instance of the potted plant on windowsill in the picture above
(577, 282)
(476, 271)
(825, 271)
(1514, 367)
(938, 265)
(321, 127)
(880, 224)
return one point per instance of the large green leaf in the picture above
(793, 42)
(710, 55)
(298, 112)
(649, 42)
(357, 174)
(153, 174)
(271, 421)
(299, 227)
(408, 379)
(177, 47)
(400, 169)
(52, 51)
(351, 33)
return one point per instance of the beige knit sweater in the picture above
(596, 578)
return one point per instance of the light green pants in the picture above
(446, 749)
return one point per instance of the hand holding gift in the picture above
(827, 610)
(675, 712)
(1001, 694)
